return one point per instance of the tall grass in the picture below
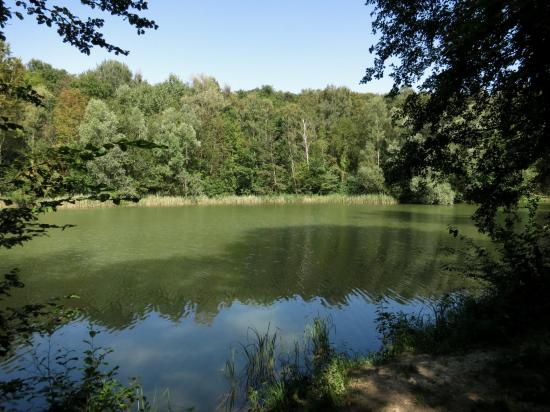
(318, 341)
(260, 359)
(174, 201)
(269, 378)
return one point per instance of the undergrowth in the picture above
(311, 376)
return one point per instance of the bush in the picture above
(427, 190)
(319, 180)
(370, 179)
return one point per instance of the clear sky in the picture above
(290, 44)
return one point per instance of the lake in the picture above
(173, 290)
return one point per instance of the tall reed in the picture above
(174, 201)
(271, 379)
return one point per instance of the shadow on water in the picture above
(264, 265)
(175, 289)
(423, 214)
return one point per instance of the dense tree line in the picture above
(215, 141)
(482, 74)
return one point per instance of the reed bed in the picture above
(175, 201)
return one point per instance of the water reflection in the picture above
(266, 265)
(174, 289)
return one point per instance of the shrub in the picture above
(427, 190)
(370, 179)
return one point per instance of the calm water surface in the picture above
(174, 289)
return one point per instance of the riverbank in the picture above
(471, 355)
(176, 201)
(453, 362)
(481, 380)
(506, 378)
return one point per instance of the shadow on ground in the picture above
(472, 382)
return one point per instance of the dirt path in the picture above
(427, 383)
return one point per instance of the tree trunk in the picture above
(306, 142)
(292, 169)
(273, 164)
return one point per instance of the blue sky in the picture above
(290, 44)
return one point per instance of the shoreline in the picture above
(176, 201)
(245, 200)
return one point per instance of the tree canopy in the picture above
(81, 32)
(217, 142)
(483, 74)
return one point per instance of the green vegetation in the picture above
(479, 123)
(476, 129)
(212, 142)
(482, 103)
(215, 142)
(57, 378)
(312, 377)
(512, 273)
(172, 201)
(510, 375)
(485, 126)
(31, 176)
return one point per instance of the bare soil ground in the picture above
(478, 381)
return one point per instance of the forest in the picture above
(466, 121)
(213, 141)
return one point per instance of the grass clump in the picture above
(312, 376)
(443, 329)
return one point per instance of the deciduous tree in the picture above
(483, 72)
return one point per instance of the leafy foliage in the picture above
(60, 379)
(67, 115)
(218, 142)
(81, 33)
(483, 97)
(35, 181)
(20, 323)
(480, 119)
(517, 266)
(41, 182)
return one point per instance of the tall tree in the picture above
(481, 115)
(44, 74)
(483, 71)
(100, 127)
(103, 81)
(67, 115)
(14, 88)
(257, 119)
(174, 131)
